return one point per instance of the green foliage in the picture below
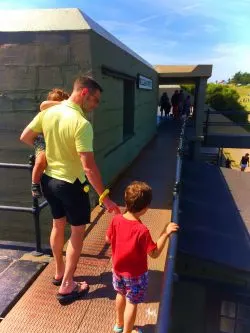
(190, 88)
(241, 78)
(222, 97)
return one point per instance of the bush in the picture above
(223, 98)
(190, 88)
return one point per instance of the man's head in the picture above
(86, 93)
(138, 196)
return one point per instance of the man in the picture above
(69, 153)
(175, 103)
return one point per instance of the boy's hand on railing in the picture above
(171, 227)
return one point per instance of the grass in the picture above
(244, 92)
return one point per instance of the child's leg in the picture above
(129, 316)
(37, 172)
(120, 304)
(39, 167)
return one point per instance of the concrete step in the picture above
(16, 275)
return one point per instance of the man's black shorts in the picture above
(66, 199)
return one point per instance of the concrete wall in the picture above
(33, 63)
(30, 65)
(108, 118)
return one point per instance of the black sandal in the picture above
(76, 293)
(57, 282)
(36, 190)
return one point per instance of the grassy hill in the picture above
(244, 92)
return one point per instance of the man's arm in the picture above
(28, 136)
(94, 177)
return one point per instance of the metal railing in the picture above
(164, 317)
(34, 210)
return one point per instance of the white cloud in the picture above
(149, 18)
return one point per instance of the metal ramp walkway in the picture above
(38, 311)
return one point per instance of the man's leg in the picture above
(57, 243)
(72, 256)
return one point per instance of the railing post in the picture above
(36, 217)
(206, 126)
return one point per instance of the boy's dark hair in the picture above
(87, 82)
(138, 195)
(57, 95)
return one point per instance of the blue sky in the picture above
(171, 32)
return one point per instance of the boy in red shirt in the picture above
(131, 243)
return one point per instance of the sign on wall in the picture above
(144, 82)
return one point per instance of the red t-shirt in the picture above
(131, 242)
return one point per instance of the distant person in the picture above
(175, 104)
(181, 99)
(131, 243)
(244, 162)
(228, 163)
(54, 97)
(186, 107)
(164, 104)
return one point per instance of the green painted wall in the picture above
(188, 308)
(202, 269)
(108, 118)
(196, 305)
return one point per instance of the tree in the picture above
(241, 78)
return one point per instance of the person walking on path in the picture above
(175, 104)
(69, 154)
(164, 104)
(244, 162)
(131, 243)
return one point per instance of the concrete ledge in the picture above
(15, 279)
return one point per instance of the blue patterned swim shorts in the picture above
(133, 288)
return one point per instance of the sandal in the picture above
(57, 282)
(76, 293)
(36, 190)
(118, 329)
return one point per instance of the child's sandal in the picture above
(118, 329)
(36, 190)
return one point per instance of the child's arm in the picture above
(107, 240)
(172, 227)
(47, 104)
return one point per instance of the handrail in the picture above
(34, 210)
(164, 319)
